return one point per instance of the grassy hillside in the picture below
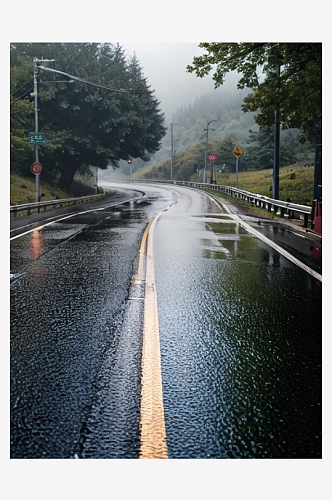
(23, 189)
(296, 182)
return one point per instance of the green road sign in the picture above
(36, 138)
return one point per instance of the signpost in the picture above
(212, 158)
(238, 152)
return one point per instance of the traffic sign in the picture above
(238, 151)
(212, 157)
(36, 168)
(36, 138)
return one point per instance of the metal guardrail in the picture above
(28, 207)
(293, 210)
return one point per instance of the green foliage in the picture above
(23, 189)
(192, 160)
(292, 80)
(21, 116)
(260, 146)
(222, 106)
(86, 125)
(298, 189)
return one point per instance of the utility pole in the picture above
(35, 95)
(275, 180)
(276, 154)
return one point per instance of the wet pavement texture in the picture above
(75, 338)
(113, 196)
(287, 233)
(240, 334)
(240, 337)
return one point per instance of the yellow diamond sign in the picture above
(238, 151)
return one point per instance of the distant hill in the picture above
(191, 120)
(231, 127)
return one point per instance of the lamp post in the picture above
(172, 150)
(206, 146)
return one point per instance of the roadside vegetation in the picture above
(296, 179)
(85, 126)
(23, 189)
(296, 182)
(99, 111)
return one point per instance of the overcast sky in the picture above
(164, 65)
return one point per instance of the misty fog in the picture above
(164, 65)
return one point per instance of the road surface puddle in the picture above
(234, 242)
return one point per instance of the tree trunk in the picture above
(66, 179)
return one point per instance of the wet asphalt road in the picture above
(71, 324)
(240, 337)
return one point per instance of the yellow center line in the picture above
(152, 421)
(139, 275)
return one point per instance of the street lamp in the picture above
(206, 145)
(172, 150)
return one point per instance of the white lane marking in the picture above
(67, 217)
(269, 242)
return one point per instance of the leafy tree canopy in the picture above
(87, 125)
(21, 116)
(259, 149)
(288, 75)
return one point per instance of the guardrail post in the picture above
(305, 220)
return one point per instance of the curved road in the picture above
(238, 336)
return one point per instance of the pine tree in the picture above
(86, 125)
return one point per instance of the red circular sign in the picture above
(212, 157)
(36, 168)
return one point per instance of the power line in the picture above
(81, 80)
(22, 86)
(23, 95)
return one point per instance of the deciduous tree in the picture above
(288, 75)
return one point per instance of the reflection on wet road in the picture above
(239, 325)
(240, 333)
(75, 338)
